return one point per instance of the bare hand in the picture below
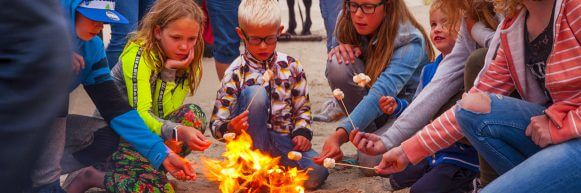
(393, 161)
(239, 123)
(332, 147)
(301, 143)
(538, 130)
(345, 53)
(387, 104)
(78, 63)
(367, 143)
(180, 64)
(194, 138)
(178, 167)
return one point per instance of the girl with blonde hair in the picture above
(159, 67)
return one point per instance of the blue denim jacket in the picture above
(400, 79)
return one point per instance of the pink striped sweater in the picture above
(508, 72)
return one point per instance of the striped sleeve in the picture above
(573, 16)
(444, 130)
(565, 115)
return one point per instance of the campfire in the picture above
(246, 170)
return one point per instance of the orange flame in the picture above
(246, 170)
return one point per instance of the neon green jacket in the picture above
(155, 95)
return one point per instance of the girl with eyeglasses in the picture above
(383, 40)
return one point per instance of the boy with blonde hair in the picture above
(275, 111)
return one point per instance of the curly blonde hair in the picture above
(510, 8)
(161, 14)
(477, 10)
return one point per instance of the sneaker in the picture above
(330, 112)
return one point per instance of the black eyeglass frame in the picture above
(371, 9)
(261, 39)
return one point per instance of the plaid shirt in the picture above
(290, 111)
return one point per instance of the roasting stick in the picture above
(339, 95)
(265, 78)
(328, 163)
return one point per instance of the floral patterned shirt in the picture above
(290, 111)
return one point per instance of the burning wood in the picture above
(246, 170)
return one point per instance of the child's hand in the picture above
(78, 63)
(194, 138)
(178, 167)
(301, 143)
(367, 143)
(239, 123)
(344, 52)
(393, 161)
(180, 64)
(387, 104)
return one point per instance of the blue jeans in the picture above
(499, 136)
(223, 15)
(330, 10)
(553, 169)
(133, 10)
(274, 143)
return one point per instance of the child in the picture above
(459, 163)
(278, 118)
(95, 141)
(158, 68)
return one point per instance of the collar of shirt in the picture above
(259, 64)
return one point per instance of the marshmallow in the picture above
(329, 163)
(268, 74)
(356, 78)
(229, 136)
(361, 79)
(294, 155)
(339, 95)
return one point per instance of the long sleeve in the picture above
(447, 81)
(404, 63)
(226, 97)
(566, 114)
(482, 34)
(444, 130)
(301, 103)
(124, 120)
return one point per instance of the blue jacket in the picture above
(458, 154)
(98, 84)
(399, 79)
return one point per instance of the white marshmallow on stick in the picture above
(330, 163)
(266, 77)
(339, 95)
(229, 136)
(295, 155)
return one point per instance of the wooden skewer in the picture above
(348, 116)
(252, 100)
(356, 166)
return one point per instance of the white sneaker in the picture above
(330, 112)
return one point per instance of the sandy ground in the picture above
(313, 57)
